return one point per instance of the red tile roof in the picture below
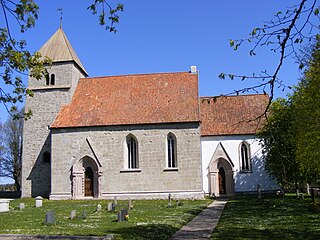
(232, 114)
(132, 99)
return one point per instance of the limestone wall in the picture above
(108, 146)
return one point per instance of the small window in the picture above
(172, 151)
(132, 146)
(46, 157)
(52, 80)
(245, 161)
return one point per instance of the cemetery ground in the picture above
(148, 219)
(245, 217)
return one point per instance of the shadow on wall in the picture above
(247, 182)
(40, 175)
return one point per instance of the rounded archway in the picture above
(86, 178)
(220, 177)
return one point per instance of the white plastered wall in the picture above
(244, 182)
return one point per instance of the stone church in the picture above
(136, 136)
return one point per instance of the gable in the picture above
(132, 99)
(232, 115)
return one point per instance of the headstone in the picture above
(111, 207)
(4, 205)
(130, 204)
(50, 217)
(39, 201)
(84, 214)
(122, 215)
(115, 200)
(178, 203)
(259, 191)
(99, 207)
(73, 214)
(22, 206)
(169, 203)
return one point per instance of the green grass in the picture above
(276, 218)
(149, 219)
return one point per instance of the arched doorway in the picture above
(88, 182)
(86, 178)
(222, 181)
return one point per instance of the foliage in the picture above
(149, 219)
(11, 149)
(289, 29)
(291, 135)
(277, 218)
(277, 137)
(16, 60)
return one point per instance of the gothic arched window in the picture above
(245, 161)
(132, 147)
(172, 151)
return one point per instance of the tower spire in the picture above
(61, 13)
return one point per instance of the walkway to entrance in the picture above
(202, 225)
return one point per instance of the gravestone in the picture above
(50, 217)
(111, 207)
(115, 200)
(122, 215)
(99, 207)
(169, 203)
(4, 205)
(39, 201)
(22, 206)
(73, 214)
(259, 191)
(84, 214)
(130, 204)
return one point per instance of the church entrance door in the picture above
(88, 182)
(222, 181)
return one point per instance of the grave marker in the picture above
(50, 217)
(122, 215)
(73, 214)
(111, 207)
(39, 201)
(22, 206)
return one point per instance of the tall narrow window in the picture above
(245, 157)
(53, 79)
(132, 146)
(46, 157)
(172, 151)
(47, 79)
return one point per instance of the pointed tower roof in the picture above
(59, 49)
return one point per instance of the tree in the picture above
(16, 60)
(290, 137)
(306, 106)
(277, 138)
(11, 149)
(283, 35)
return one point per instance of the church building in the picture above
(137, 136)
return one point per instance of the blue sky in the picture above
(166, 36)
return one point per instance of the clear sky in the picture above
(166, 36)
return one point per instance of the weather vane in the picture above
(61, 12)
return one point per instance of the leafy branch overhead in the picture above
(113, 16)
(16, 61)
(283, 35)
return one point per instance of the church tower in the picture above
(50, 94)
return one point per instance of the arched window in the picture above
(245, 161)
(132, 147)
(47, 79)
(172, 151)
(53, 79)
(46, 157)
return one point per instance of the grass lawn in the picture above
(276, 218)
(149, 219)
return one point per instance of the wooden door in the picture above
(88, 182)
(222, 181)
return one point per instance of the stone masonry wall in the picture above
(45, 105)
(108, 145)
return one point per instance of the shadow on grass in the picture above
(149, 231)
